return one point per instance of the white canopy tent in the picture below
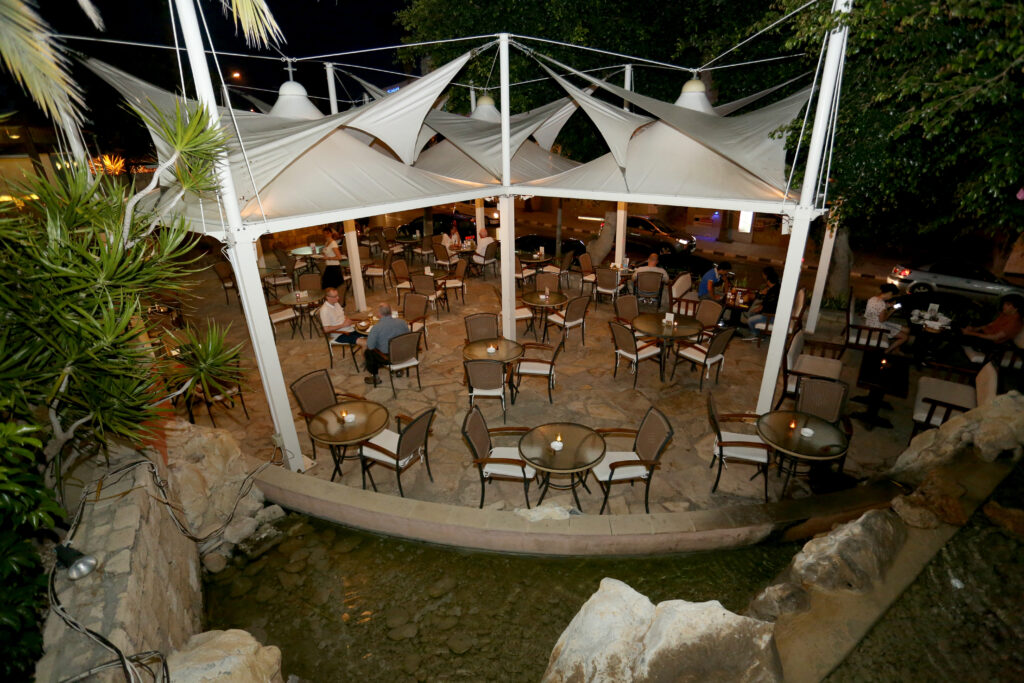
(295, 169)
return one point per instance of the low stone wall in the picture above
(145, 593)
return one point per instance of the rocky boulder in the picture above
(619, 635)
(225, 657)
(853, 556)
(986, 432)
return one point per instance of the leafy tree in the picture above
(930, 123)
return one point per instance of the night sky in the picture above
(310, 27)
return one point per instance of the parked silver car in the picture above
(952, 276)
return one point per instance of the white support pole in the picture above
(506, 206)
(824, 259)
(805, 212)
(481, 214)
(621, 209)
(355, 268)
(627, 83)
(332, 91)
(472, 99)
(243, 256)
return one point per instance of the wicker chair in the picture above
(747, 449)
(314, 392)
(547, 281)
(575, 315)
(383, 270)
(523, 274)
(648, 287)
(626, 347)
(457, 280)
(704, 356)
(639, 463)
(538, 367)
(481, 326)
(587, 274)
(502, 462)
(607, 284)
(227, 278)
(398, 451)
(414, 313)
(562, 270)
(403, 354)
(434, 290)
(486, 379)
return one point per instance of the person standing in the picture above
(716, 275)
(332, 275)
(377, 342)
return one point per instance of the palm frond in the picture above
(91, 12)
(258, 25)
(36, 60)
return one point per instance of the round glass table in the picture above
(582, 449)
(801, 439)
(505, 350)
(346, 424)
(539, 303)
(653, 325)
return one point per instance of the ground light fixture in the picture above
(78, 564)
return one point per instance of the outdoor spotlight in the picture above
(75, 561)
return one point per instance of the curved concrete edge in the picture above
(503, 531)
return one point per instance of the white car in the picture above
(952, 276)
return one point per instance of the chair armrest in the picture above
(738, 417)
(421, 319)
(355, 397)
(650, 464)
(379, 449)
(535, 345)
(501, 461)
(647, 345)
(534, 360)
(828, 349)
(627, 323)
(508, 430)
(955, 372)
(745, 444)
(939, 403)
(616, 431)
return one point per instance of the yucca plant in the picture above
(204, 363)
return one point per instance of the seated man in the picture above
(377, 342)
(481, 246)
(716, 275)
(652, 265)
(878, 310)
(337, 326)
(763, 308)
(1005, 327)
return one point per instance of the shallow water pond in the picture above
(344, 605)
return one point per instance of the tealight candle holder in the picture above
(347, 417)
(491, 348)
(557, 444)
(792, 424)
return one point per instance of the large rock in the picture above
(853, 556)
(207, 469)
(986, 432)
(225, 656)
(777, 600)
(619, 635)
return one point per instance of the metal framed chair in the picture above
(285, 276)
(425, 249)
(539, 367)
(442, 257)
(501, 462)
(796, 320)
(403, 354)
(547, 281)
(627, 308)
(457, 280)
(434, 290)
(680, 287)
(626, 347)
(481, 326)
(575, 315)
(825, 398)
(488, 259)
(562, 270)
(398, 451)
(401, 277)
(707, 314)
(606, 284)
(587, 274)
(314, 392)
(523, 274)
(283, 314)
(862, 337)
(638, 464)
(648, 287)
(383, 270)
(227, 278)
(808, 358)
(704, 356)
(414, 312)
(747, 449)
(225, 396)
(486, 379)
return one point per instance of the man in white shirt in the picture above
(652, 265)
(481, 246)
(336, 324)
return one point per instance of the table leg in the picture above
(544, 487)
(576, 497)
(662, 360)
(870, 417)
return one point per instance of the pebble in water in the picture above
(460, 643)
(402, 632)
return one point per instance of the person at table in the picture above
(481, 246)
(652, 266)
(767, 300)
(877, 312)
(716, 275)
(332, 276)
(1005, 327)
(337, 326)
(377, 341)
(450, 240)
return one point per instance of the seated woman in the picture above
(450, 239)
(877, 312)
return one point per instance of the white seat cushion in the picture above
(407, 364)
(283, 315)
(942, 390)
(644, 354)
(500, 391)
(387, 440)
(604, 468)
(417, 326)
(278, 280)
(404, 285)
(454, 284)
(527, 272)
(755, 455)
(559, 319)
(374, 271)
(591, 277)
(552, 269)
(500, 469)
(527, 367)
(692, 353)
(523, 313)
(974, 355)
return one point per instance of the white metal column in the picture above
(481, 214)
(243, 256)
(332, 91)
(627, 83)
(824, 259)
(621, 209)
(805, 212)
(355, 265)
(506, 206)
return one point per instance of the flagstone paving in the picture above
(585, 392)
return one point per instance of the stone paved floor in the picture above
(585, 393)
